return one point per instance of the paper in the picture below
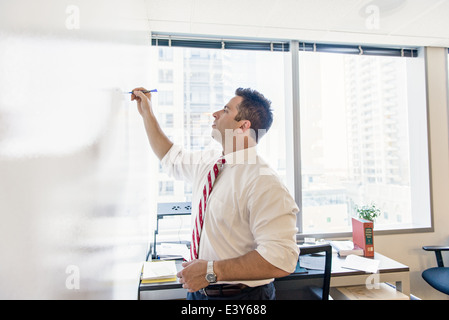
(360, 263)
(157, 270)
(173, 251)
(312, 262)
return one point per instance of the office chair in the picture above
(437, 277)
(310, 284)
(321, 293)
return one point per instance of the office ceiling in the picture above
(396, 22)
(405, 22)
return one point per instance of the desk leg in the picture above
(403, 286)
(401, 280)
(398, 285)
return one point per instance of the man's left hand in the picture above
(193, 276)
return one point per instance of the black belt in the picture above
(223, 290)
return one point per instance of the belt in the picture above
(223, 290)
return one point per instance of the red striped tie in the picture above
(196, 234)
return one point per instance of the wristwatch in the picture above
(211, 277)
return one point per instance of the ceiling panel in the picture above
(381, 17)
(403, 21)
(169, 10)
(310, 15)
(431, 21)
(232, 12)
(416, 22)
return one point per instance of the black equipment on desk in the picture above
(169, 209)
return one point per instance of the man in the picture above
(248, 236)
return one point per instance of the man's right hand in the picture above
(143, 101)
(158, 140)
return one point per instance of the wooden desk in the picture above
(390, 271)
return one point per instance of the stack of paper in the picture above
(158, 271)
(345, 248)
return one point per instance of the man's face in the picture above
(224, 119)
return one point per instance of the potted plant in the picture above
(363, 226)
(367, 212)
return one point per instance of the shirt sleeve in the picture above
(273, 224)
(179, 163)
(185, 165)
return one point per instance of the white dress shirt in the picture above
(248, 209)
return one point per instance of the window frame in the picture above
(294, 47)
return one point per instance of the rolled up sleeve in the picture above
(180, 164)
(172, 162)
(273, 214)
(185, 165)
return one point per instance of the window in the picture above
(166, 187)
(167, 120)
(362, 123)
(165, 98)
(165, 55)
(203, 81)
(363, 140)
(165, 76)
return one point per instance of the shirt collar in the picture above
(244, 156)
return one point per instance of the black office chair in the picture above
(437, 277)
(311, 285)
(322, 293)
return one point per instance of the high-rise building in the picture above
(192, 84)
(377, 126)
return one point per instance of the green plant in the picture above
(368, 212)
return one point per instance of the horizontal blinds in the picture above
(278, 46)
(360, 50)
(236, 45)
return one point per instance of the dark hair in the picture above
(255, 108)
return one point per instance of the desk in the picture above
(163, 290)
(390, 271)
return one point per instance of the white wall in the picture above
(406, 248)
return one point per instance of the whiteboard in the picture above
(76, 170)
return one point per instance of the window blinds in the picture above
(277, 46)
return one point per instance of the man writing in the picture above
(243, 217)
